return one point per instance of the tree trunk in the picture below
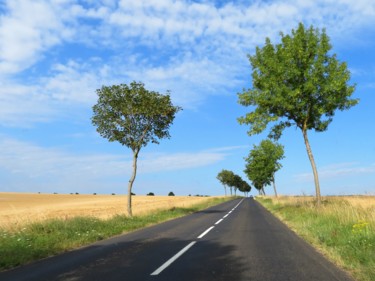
(230, 188)
(225, 189)
(131, 181)
(312, 161)
(274, 186)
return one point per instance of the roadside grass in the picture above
(344, 232)
(43, 239)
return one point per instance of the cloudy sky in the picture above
(54, 54)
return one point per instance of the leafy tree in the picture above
(150, 194)
(236, 183)
(228, 178)
(297, 82)
(133, 116)
(263, 162)
(224, 176)
(245, 187)
(171, 194)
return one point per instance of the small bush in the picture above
(171, 194)
(150, 194)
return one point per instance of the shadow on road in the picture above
(135, 260)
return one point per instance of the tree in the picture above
(224, 177)
(263, 162)
(236, 183)
(171, 193)
(133, 116)
(245, 187)
(297, 82)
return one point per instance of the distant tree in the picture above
(263, 162)
(297, 82)
(150, 194)
(171, 194)
(224, 176)
(236, 183)
(245, 188)
(133, 116)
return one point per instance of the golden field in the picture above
(17, 209)
(362, 201)
(348, 208)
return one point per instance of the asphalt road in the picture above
(236, 240)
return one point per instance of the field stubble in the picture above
(20, 209)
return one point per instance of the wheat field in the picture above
(347, 208)
(18, 209)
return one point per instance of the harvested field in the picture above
(18, 209)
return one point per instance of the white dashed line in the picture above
(219, 221)
(172, 259)
(204, 233)
(180, 253)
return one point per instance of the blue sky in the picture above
(54, 54)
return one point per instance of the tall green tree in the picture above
(297, 82)
(264, 161)
(134, 117)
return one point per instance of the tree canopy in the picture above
(234, 181)
(226, 178)
(297, 82)
(134, 117)
(263, 162)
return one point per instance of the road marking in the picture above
(204, 233)
(219, 221)
(172, 259)
(180, 253)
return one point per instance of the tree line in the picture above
(298, 82)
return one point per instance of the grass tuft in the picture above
(343, 231)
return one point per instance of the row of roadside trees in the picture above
(298, 83)
(234, 182)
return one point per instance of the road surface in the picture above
(236, 240)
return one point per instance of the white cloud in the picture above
(26, 30)
(32, 163)
(193, 49)
(336, 171)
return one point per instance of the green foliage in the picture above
(226, 178)
(296, 82)
(171, 194)
(132, 115)
(150, 194)
(263, 162)
(244, 187)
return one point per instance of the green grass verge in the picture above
(343, 233)
(51, 237)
